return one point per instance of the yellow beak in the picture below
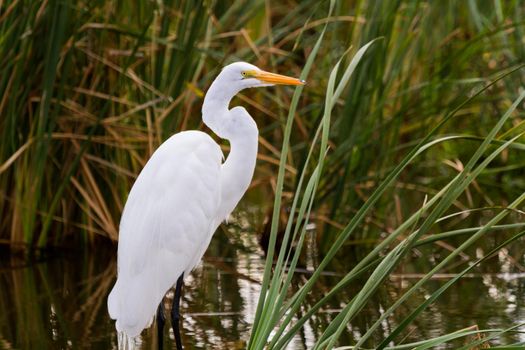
(272, 78)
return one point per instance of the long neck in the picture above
(236, 126)
(215, 112)
(237, 172)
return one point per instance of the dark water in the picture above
(60, 302)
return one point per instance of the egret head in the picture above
(245, 75)
(235, 122)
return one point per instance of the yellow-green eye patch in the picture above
(248, 73)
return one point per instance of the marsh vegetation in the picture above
(394, 180)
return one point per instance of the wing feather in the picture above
(167, 223)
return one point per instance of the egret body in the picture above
(179, 199)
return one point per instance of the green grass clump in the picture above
(278, 316)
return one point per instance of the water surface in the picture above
(59, 301)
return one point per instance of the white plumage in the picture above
(167, 223)
(181, 196)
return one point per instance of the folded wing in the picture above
(167, 223)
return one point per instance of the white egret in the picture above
(179, 199)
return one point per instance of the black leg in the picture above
(161, 320)
(175, 314)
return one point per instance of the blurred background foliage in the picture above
(89, 89)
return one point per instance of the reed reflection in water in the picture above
(59, 302)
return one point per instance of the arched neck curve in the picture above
(236, 126)
(215, 108)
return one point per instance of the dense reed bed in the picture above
(90, 89)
